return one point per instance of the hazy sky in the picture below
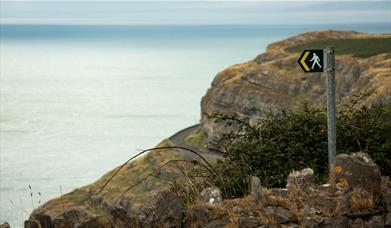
(195, 12)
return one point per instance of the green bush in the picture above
(278, 144)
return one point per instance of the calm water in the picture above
(76, 101)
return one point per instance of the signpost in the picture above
(314, 61)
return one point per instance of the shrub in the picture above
(278, 144)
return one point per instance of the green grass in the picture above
(196, 139)
(79, 196)
(356, 47)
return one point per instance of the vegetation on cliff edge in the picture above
(357, 47)
(276, 145)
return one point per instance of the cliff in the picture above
(274, 81)
(271, 82)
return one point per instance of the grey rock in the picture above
(303, 179)
(335, 222)
(386, 200)
(169, 210)
(61, 222)
(309, 223)
(282, 215)
(217, 223)
(44, 220)
(308, 210)
(358, 222)
(211, 195)
(386, 181)
(31, 224)
(387, 220)
(283, 192)
(5, 225)
(256, 190)
(356, 171)
(248, 222)
(237, 209)
(326, 204)
(71, 218)
(147, 221)
(200, 215)
(97, 222)
(99, 202)
(120, 217)
(343, 205)
(265, 57)
(375, 222)
(332, 205)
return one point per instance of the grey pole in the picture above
(331, 113)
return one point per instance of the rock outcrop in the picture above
(274, 81)
(211, 196)
(356, 171)
(303, 179)
(303, 204)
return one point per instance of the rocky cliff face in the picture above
(274, 81)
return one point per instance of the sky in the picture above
(194, 12)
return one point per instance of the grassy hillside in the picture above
(357, 47)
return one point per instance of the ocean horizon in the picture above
(78, 100)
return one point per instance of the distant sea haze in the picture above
(76, 101)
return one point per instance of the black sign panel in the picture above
(312, 61)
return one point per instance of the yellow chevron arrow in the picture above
(302, 61)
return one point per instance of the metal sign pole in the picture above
(331, 113)
(316, 60)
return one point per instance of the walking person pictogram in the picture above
(315, 60)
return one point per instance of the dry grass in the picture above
(276, 200)
(361, 200)
(215, 212)
(248, 206)
(385, 184)
(294, 201)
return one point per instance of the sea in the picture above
(78, 100)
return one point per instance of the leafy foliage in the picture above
(278, 144)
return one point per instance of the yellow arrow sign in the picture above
(311, 61)
(302, 61)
